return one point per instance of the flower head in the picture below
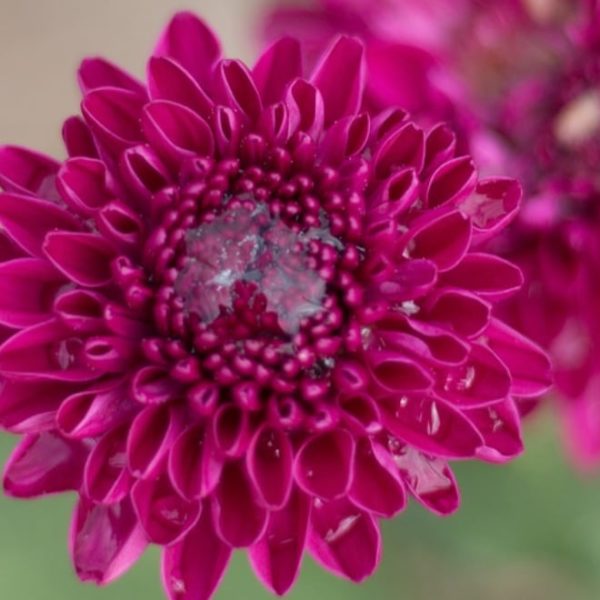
(245, 313)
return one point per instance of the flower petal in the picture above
(27, 220)
(190, 42)
(324, 464)
(277, 556)
(44, 463)
(344, 539)
(25, 172)
(239, 520)
(165, 516)
(97, 73)
(431, 426)
(340, 77)
(83, 257)
(192, 568)
(276, 67)
(270, 461)
(105, 541)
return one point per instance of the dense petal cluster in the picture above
(247, 313)
(535, 64)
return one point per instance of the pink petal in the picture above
(482, 380)
(429, 479)
(113, 116)
(78, 138)
(269, 462)
(344, 539)
(97, 73)
(151, 436)
(277, 556)
(443, 239)
(26, 172)
(403, 147)
(84, 185)
(31, 406)
(105, 540)
(43, 464)
(500, 426)
(486, 275)
(191, 43)
(81, 311)
(106, 479)
(239, 520)
(467, 314)
(493, 205)
(195, 466)
(27, 289)
(231, 430)
(305, 108)
(340, 77)
(176, 132)
(45, 351)
(27, 220)
(165, 516)
(431, 426)
(169, 81)
(276, 67)
(452, 182)
(95, 411)
(192, 569)
(346, 138)
(440, 146)
(528, 364)
(143, 174)
(83, 257)
(376, 488)
(121, 226)
(234, 87)
(324, 464)
(394, 373)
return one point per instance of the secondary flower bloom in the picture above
(245, 313)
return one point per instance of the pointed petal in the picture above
(431, 426)
(97, 73)
(27, 220)
(192, 569)
(165, 516)
(78, 138)
(151, 435)
(377, 487)
(277, 557)
(45, 351)
(26, 172)
(529, 365)
(190, 42)
(344, 539)
(429, 479)
(31, 406)
(83, 257)
(276, 67)
(43, 464)
(239, 520)
(27, 290)
(194, 464)
(270, 461)
(341, 78)
(105, 541)
(106, 479)
(234, 87)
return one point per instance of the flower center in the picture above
(246, 252)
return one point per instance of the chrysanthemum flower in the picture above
(247, 314)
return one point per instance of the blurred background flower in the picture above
(524, 532)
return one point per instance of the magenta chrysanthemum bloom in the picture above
(247, 314)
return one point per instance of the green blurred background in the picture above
(526, 531)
